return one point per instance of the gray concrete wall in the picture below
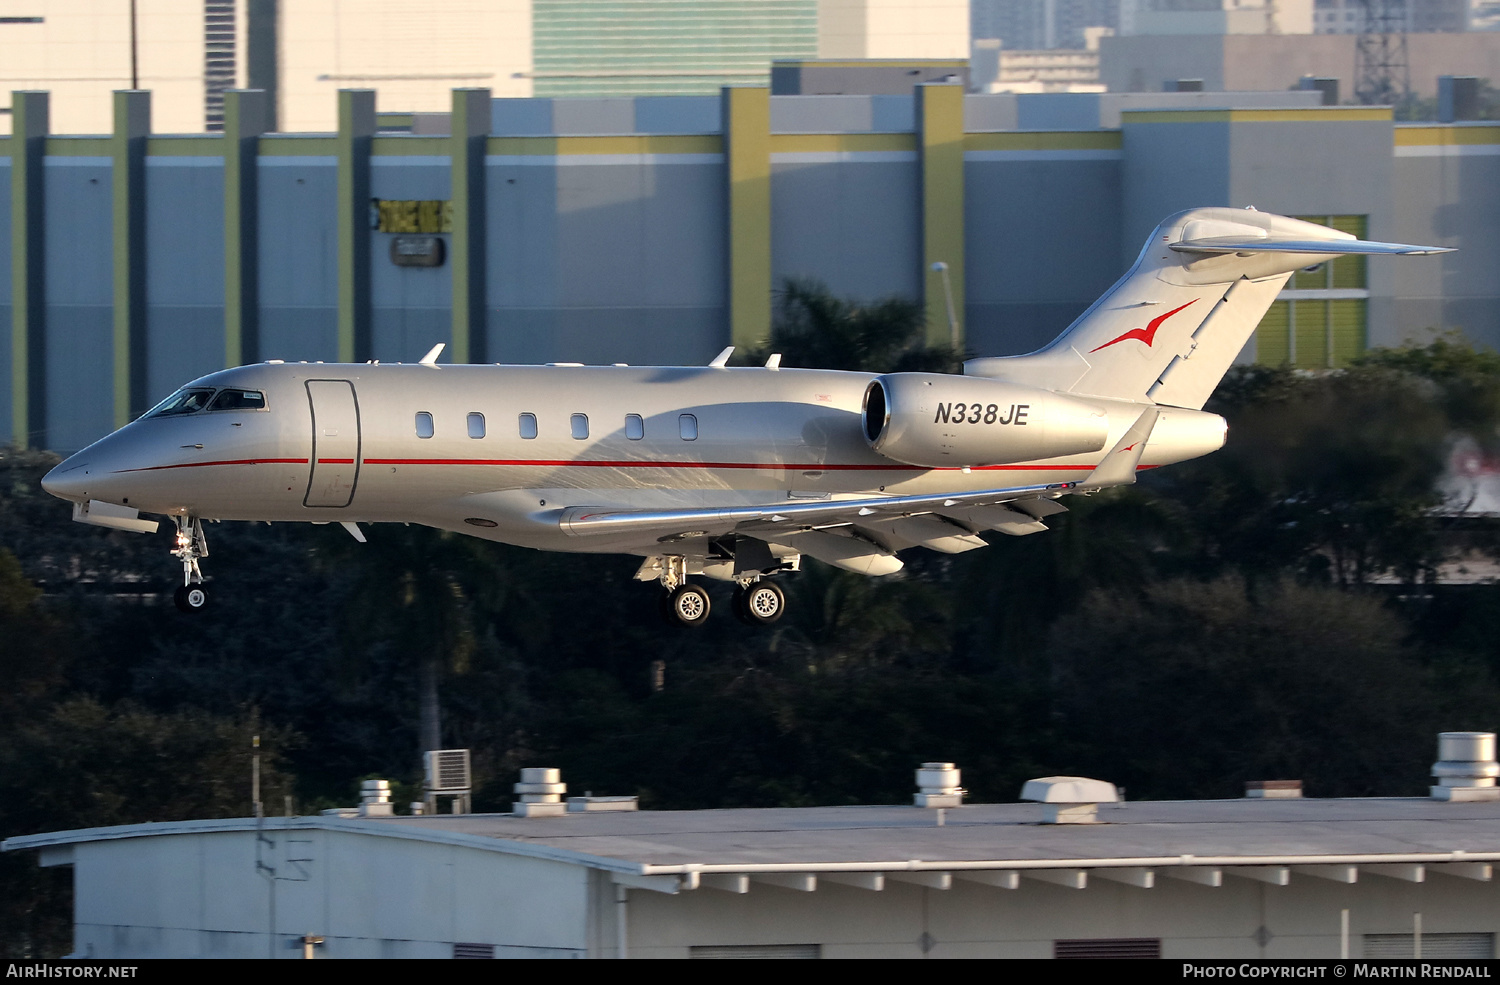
(298, 257)
(1446, 196)
(411, 307)
(1169, 167)
(80, 299)
(184, 271)
(606, 259)
(5, 296)
(1042, 242)
(853, 224)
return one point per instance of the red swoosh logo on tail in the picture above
(1147, 334)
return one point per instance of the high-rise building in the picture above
(1031, 25)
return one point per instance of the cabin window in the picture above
(239, 400)
(687, 426)
(424, 424)
(182, 402)
(635, 428)
(476, 425)
(528, 425)
(580, 426)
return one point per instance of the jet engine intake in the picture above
(938, 421)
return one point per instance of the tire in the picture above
(190, 598)
(689, 605)
(764, 602)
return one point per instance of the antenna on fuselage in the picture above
(722, 359)
(431, 358)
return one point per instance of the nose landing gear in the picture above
(191, 545)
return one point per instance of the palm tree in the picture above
(815, 330)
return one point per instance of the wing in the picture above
(859, 534)
(864, 533)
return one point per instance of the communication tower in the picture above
(1382, 75)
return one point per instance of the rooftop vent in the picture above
(1466, 767)
(541, 791)
(1273, 789)
(937, 786)
(375, 798)
(1070, 799)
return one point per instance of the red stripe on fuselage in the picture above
(236, 461)
(544, 463)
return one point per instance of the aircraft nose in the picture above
(69, 480)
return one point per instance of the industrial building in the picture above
(1077, 874)
(655, 230)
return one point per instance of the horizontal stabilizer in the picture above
(1118, 467)
(1239, 244)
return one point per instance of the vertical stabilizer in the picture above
(1169, 330)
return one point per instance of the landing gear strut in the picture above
(191, 545)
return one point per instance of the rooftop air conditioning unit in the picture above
(448, 775)
(448, 771)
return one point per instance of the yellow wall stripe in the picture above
(940, 136)
(1044, 140)
(1427, 136)
(747, 151)
(1312, 114)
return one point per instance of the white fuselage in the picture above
(341, 443)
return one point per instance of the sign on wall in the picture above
(395, 215)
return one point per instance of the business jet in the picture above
(728, 473)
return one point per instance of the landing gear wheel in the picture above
(760, 604)
(190, 598)
(689, 605)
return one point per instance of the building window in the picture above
(528, 425)
(580, 425)
(687, 426)
(476, 425)
(1321, 319)
(424, 424)
(635, 428)
(219, 43)
(1109, 947)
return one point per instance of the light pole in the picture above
(939, 267)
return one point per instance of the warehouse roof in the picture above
(1405, 835)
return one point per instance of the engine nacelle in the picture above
(938, 421)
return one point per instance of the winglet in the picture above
(1118, 467)
(722, 359)
(431, 358)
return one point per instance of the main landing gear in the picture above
(756, 602)
(191, 545)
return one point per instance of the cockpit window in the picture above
(187, 401)
(239, 400)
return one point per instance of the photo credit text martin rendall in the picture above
(1338, 969)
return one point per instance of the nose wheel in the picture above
(191, 545)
